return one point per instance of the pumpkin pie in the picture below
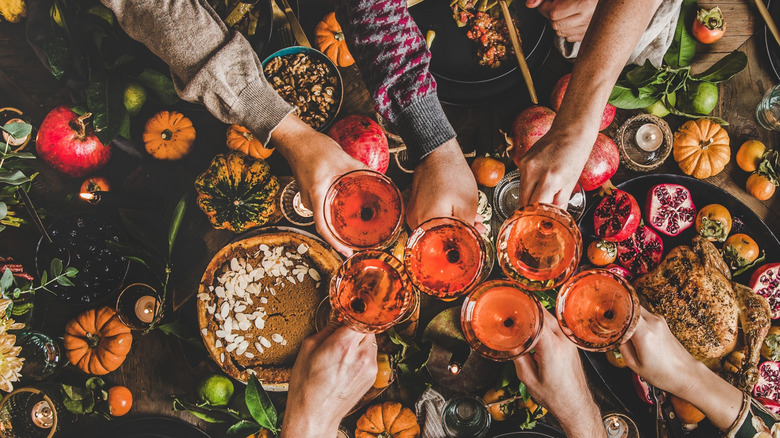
(257, 302)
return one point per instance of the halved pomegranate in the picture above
(619, 270)
(617, 216)
(766, 282)
(670, 208)
(768, 385)
(641, 252)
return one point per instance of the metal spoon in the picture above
(62, 252)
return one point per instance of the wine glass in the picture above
(597, 309)
(539, 246)
(371, 292)
(445, 257)
(500, 320)
(364, 210)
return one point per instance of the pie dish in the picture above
(257, 300)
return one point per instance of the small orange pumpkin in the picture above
(701, 148)
(388, 420)
(169, 135)
(330, 40)
(96, 341)
(240, 139)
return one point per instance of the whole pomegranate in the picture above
(617, 216)
(641, 252)
(768, 385)
(560, 90)
(529, 126)
(363, 139)
(602, 163)
(670, 209)
(766, 282)
(69, 144)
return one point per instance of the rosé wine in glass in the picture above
(500, 320)
(364, 210)
(539, 246)
(371, 292)
(445, 257)
(597, 309)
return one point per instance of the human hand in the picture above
(334, 369)
(553, 375)
(550, 169)
(316, 161)
(443, 186)
(569, 18)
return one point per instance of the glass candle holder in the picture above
(138, 305)
(292, 207)
(507, 192)
(500, 321)
(42, 355)
(34, 412)
(539, 246)
(466, 417)
(768, 110)
(644, 142)
(445, 257)
(371, 292)
(597, 309)
(364, 210)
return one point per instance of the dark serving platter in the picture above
(541, 430)
(772, 49)
(461, 80)
(151, 427)
(619, 381)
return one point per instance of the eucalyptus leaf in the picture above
(64, 281)
(44, 277)
(160, 84)
(683, 46)
(14, 178)
(725, 68)
(178, 215)
(7, 280)
(17, 130)
(70, 272)
(3, 210)
(56, 267)
(243, 429)
(260, 406)
(105, 99)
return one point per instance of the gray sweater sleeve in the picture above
(209, 64)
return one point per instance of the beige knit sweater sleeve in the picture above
(210, 64)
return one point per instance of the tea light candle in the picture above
(649, 137)
(145, 307)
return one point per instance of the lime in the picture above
(700, 98)
(135, 97)
(658, 109)
(216, 390)
(102, 12)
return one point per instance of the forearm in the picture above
(210, 65)
(393, 59)
(616, 28)
(715, 397)
(583, 422)
(301, 426)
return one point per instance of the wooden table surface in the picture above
(159, 366)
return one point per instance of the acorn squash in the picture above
(237, 192)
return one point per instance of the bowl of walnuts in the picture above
(308, 80)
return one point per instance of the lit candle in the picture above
(649, 137)
(145, 307)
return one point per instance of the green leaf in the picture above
(260, 405)
(95, 383)
(644, 75)
(19, 155)
(57, 50)
(105, 99)
(625, 98)
(725, 68)
(6, 280)
(160, 84)
(208, 414)
(178, 215)
(3, 210)
(677, 112)
(243, 429)
(44, 277)
(71, 272)
(56, 267)
(64, 281)
(17, 130)
(124, 129)
(182, 332)
(14, 178)
(683, 46)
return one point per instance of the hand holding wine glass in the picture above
(555, 378)
(334, 368)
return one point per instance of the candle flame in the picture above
(87, 196)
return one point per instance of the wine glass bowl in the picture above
(500, 320)
(539, 246)
(597, 309)
(371, 292)
(364, 210)
(445, 257)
